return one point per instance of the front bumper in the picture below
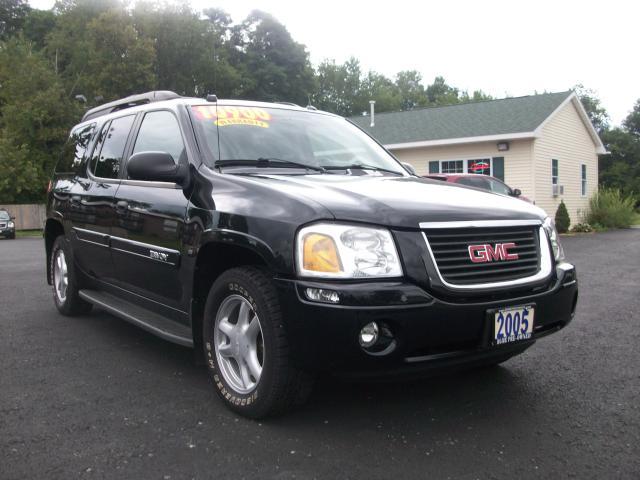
(7, 232)
(431, 333)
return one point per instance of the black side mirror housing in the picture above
(155, 167)
(516, 192)
(409, 168)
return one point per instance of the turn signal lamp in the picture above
(320, 254)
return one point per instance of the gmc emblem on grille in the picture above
(488, 253)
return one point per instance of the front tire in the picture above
(64, 282)
(246, 347)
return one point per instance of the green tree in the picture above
(440, 93)
(632, 122)
(338, 87)
(375, 86)
(68, 46)
(12, 17)
(120, 62)
(35, 116)
(217, 73)
(592, 105)
(38, 24)
(273, 65)
(562, 219)
(178, 36)
(410, 89)
(621, 168)
(476, 96)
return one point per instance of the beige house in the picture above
(544, 145)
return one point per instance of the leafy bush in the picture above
(582, 228)
(562, 218)
(610, 208)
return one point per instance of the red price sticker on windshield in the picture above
(225, 116)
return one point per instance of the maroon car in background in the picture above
(478, 180)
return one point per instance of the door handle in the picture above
(122, 205)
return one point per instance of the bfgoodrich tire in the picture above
(64, 281)
(246, 348)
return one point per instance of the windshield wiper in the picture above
(361, 166)
(266, 162)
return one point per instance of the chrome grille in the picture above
(3, 225)
(450, 250)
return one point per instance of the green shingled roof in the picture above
(493, 117)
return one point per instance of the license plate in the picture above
(512, 324)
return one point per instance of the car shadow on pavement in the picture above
(459, 399)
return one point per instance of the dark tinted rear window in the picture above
(114, 138)
(75, 149)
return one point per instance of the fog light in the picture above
(368, 335)
(322, 295)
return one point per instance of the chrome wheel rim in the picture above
(239, 344)
(60, 276)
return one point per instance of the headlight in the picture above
(550, 228)
(346, 251)
(11, 224)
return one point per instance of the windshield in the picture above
(4, 215)
(314, 139)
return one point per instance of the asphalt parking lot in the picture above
(94, 397)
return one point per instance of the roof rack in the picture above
(131, 101)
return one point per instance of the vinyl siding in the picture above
(565, 138)
(517, 160)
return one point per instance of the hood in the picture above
(401, 202)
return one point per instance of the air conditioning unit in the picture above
(558, 190)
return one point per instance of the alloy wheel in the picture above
(60, 276)
(239, 344)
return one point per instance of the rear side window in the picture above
(75, 149)
(160, 132)
(477, 182)
(107, 155)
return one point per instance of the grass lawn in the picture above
(28, 233)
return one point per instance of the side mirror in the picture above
(409, 168)
(155, 167)
(516, 192)
(12, 218)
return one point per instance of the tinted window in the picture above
(75, 149)
(477, 182)
(114, 136)
(160, 132)
(98, 146)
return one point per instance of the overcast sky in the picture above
(502, 47)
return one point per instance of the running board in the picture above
(139, 316)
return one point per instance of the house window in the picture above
(452, 166)
(554, 172)
(479, 165)
(583, 172)
(475, 165)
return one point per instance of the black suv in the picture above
(281, 242)
(7, 226)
